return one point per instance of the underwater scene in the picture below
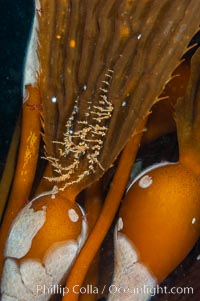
(100, 150)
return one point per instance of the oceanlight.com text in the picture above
(115, 290)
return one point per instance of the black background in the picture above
(15, 24)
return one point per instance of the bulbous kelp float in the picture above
(93, 71)
(159, 219)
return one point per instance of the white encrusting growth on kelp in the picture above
(23, 271)
(131, 277)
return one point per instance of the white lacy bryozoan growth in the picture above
(90, 137)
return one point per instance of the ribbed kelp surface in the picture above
(103, 63)
(188, 118)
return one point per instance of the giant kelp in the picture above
(105, 62)
(93, 71)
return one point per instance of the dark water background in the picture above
(15, 23)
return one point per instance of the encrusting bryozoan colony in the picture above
(45, 238)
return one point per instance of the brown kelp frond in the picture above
(161, 121)
(187, 108)
(182, 68)
(193, 45)
(8, 173)
(103, 64)
(160, 98)
(90, 136)
(187, 118)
